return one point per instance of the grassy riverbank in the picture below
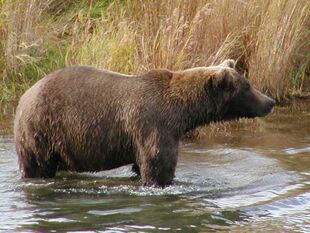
(270, 39)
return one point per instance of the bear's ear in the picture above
(221, 80)
(229, 63)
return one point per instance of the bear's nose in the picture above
(272, 103)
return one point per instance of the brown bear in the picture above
(85, 119)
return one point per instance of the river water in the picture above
(247, 176)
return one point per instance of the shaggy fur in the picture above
(85, 119)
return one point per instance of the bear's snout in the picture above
(267, 104)
(250, 104)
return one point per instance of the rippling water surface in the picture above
(245, 177)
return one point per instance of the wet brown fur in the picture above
(85, 119)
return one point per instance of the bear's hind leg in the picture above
(27, 163)
(37, 165)
(47, 168)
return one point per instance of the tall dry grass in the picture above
(281, 58)
(171, 34)
(2, 37)
(270, 39)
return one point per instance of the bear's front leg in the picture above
(157, 162)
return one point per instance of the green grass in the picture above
(31, 69)
(53, 35)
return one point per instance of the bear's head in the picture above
(237, 97)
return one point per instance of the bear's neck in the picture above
(192, 103)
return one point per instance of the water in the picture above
(251, 176)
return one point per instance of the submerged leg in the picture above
(135, 168)
(39, 163)
(157, 162)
